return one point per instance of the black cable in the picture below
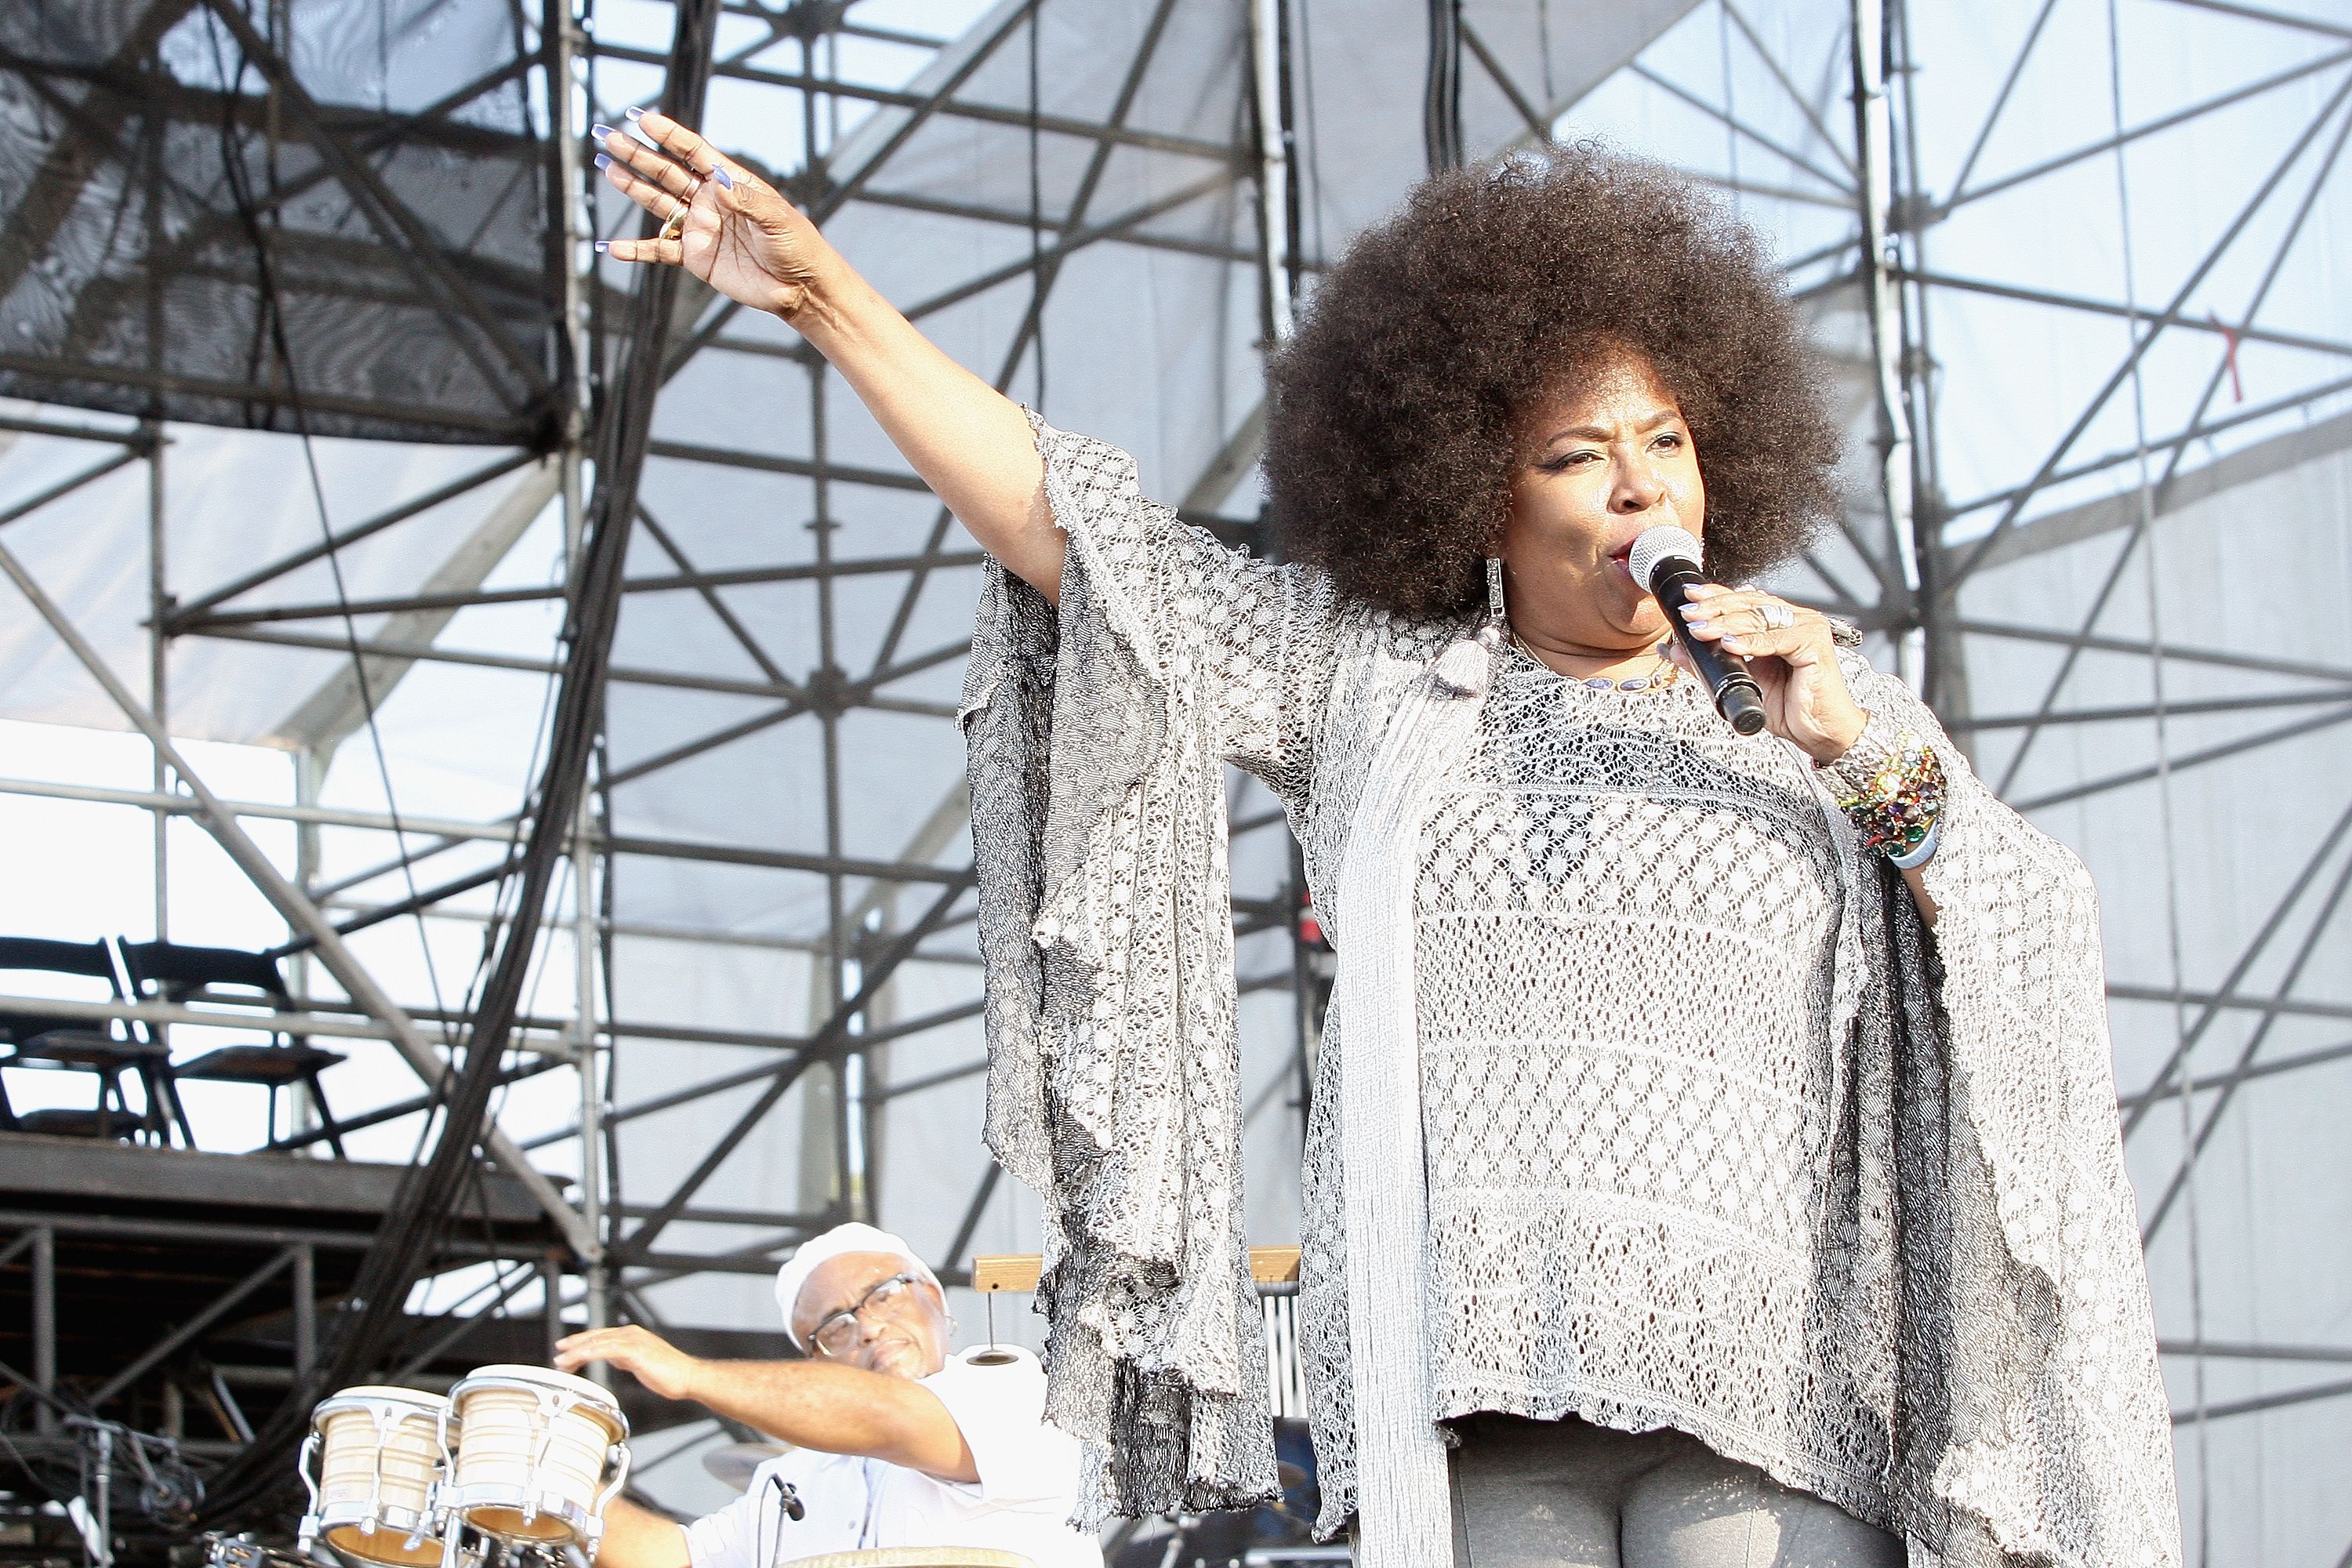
(426, 1198)
(270, 317)
(1441, 101)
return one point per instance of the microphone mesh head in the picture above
(1655, 544)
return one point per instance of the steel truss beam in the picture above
(908, 201)
(2187, 760)
(69, 484)
(2166, 447)
(2178, 1058)
(1993, 288)
(622, 675)
(830, 1040)
(822, 203)
(1962, 196)
(348, 537)
(950, 107)
(853, 566)
(290, 901)
(2277, 1065)
(495, 832)
(437, 416)
(1746, 132)
(1965, 564)
(401, 229)
(2262, 1401)
(2279, 1006)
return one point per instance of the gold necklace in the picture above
(1666, 674)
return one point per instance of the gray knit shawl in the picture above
(2029, 1421)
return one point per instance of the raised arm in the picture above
(729, 228)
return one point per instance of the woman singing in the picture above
(1714, 1158)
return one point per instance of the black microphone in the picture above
(1666, 562)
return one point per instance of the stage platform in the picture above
(161, 1285)
(180, 1292)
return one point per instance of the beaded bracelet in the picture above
(1894, 806)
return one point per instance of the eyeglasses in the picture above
(837, 1335)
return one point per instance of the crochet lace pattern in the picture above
(1718, 1135)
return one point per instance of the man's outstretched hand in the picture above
(653, 1361)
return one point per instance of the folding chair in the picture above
(169, 972)
(89, 1045)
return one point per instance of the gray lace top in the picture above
(1711, 1133)
(1624, 939)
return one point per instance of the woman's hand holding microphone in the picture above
(1793, 655)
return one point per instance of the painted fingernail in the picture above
(599, 132)
(1734, 644)
(1697, 626)
(635, 113)
(721, 176)
(602, 246)
(604, 160)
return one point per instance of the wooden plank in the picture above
(1007, 1271)
(1019, 1271)
(37, 1170)
(1273, 1265)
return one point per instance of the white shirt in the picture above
(1028, 1485)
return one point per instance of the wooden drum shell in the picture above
(379, 1456)
(533, 1455)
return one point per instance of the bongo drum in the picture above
(538, 1456)
(379, 1452)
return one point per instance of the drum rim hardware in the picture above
(383, 1405)
(548, 1449)
(556, 1393)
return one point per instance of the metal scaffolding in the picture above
(2064, 361)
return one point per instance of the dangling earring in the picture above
(1498, 619)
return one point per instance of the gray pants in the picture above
(1567, 1494)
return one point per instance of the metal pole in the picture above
(310, 773)
(1881, 266)
(44, 1325)
(290, 903)
(306, 1307)
(1273, 166)
(562, 37)
(1944, 678)
(103, 1514)
(159, 615)
(1277, 222)
(551, 1306)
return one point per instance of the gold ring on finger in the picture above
(676, 223)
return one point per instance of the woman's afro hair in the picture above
(1397, 408)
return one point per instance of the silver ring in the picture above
(1778, 617)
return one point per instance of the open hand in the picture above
(1795, 663)
(653, 1361)
(735, 232)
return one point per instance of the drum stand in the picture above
(462, 1546)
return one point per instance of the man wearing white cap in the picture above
(897, 1442)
